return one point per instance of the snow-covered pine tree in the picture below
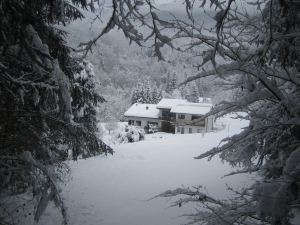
(156, 96)
(40, 100)
(193, 95)
(138, 94)
(203, 88)
(85, 100)
(171, 83)
(145, 93)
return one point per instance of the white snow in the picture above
(183, 106)
(167, 103)
(143, 110)
(192, 108)
(112, 190)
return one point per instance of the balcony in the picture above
(167, 118)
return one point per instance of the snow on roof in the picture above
(143, 110)
(192, 108)
(167, 103)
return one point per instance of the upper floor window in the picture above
(195, 117)
(138, 123)
(181, 116)
(167, 115)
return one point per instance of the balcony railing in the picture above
(167, 118)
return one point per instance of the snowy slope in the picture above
(112, 190)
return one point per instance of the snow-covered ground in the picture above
(113, 190)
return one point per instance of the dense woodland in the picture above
(50, 93)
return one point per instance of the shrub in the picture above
(131, 134)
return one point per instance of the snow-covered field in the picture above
(113, 190)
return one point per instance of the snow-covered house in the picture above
(188, 118)
(143, 115)
(167, 117)
(172, 115)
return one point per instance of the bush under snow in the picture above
(131, 134)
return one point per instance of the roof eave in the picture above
(147, 117)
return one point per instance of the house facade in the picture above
(143, 115)
(172, 116)
(168, 118)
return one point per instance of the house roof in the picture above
(167, 103)
(143, 110)
(192, 108)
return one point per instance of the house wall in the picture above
(144, 121)
(210, 123)
(188, 119)
(196, 128)
(199, 127)
(186, 129)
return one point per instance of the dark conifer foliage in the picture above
(146, 94)
(41, 96)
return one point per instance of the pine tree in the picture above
(138, 94)
(47, 101)
(85, 99)
(145, 93)
(193, 95)
(171, 83)
(156, 96)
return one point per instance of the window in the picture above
(178, 129)
(195, 117)
(181, 116)
(153, 123)
(190, 130)
(138, 123)
(198, 130)
(167, 115)
(130, 122)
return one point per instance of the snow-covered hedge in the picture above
(131, 134)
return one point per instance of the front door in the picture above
(182, 130)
